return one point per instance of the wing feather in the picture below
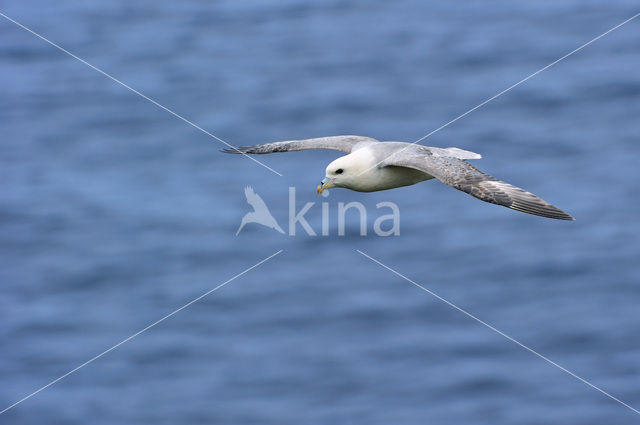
(463, 176)
(339, 143)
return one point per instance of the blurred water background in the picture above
(114, 213)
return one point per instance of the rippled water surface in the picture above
(114, 213)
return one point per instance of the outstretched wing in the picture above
(339, 143)
(463, 176)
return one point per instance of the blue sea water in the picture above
(114, 213)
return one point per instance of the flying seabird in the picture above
(371, 165)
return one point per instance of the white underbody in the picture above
(363, 173)
(388, 178)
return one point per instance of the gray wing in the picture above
(463, 176)
(339, 143)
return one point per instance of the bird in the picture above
(371, 165)
(260, 213)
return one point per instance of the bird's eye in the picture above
(339, 171)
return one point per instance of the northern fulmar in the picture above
(371, 165)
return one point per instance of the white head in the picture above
(345, 171)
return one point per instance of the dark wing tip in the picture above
(502, 193)
(540, 208)
(568, 217)
(556, 214)
(238, 149)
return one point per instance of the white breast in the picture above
(390, 177)
(365, 176)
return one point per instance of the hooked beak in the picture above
(325, 184)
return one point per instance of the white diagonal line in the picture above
(526, 78)
(140, 331)
(531, 350)
(512, 86)
(135, 91)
